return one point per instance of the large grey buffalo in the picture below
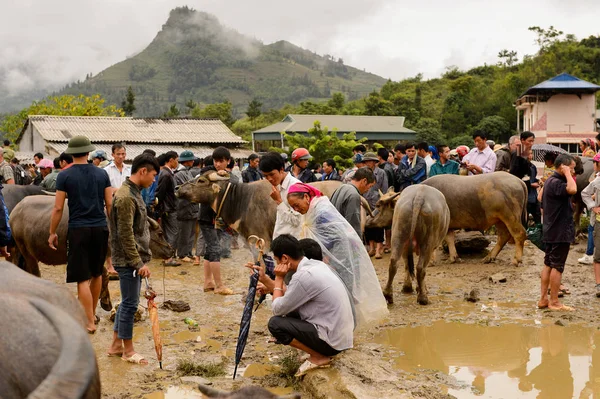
(476, 203)
(13, 194)
(30, 224)
(246, 208)
(420, 222)
(45, 351)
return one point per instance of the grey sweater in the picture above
(346, 200)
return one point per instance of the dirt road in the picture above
(502, 345)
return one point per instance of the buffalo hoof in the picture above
(516, 263)
(106, 304)
(487, 259)
(455, 260)
(389, 298)
(407, 289)
(422, 300)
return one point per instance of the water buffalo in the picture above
(476, 203)
(248, 207)
(45, 351)
(13, 194)
(30, 224)
(250, 392)
(421, 219)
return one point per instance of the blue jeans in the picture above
(130, 299)
(590, 247)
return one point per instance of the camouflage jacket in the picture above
(129, 231)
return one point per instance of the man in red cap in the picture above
(299, 168)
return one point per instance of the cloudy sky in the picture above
(45, 43)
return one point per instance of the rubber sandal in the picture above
(387, 250)
(91, 332)
(378, 256)
(118, 354)
(563, 308)
(208, 289)
(136, 359)
(224, 291)
(308, 366)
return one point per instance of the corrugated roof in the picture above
(134, 150)
(343, 123)
(561, 83)
(133, 130)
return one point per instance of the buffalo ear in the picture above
(390, 190)
(153, 224)
(211, 392)
(216, 188)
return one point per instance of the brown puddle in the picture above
(174, 392)
(507, 361)
(259, 370)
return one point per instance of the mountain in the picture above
(196, 58)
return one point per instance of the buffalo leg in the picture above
(421, 271)
(503, 237)
(453, 255)
(388, 292)
(407, 287)
(519, 234)
(105, 301)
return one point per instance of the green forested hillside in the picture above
(195, 58)
(448, 108)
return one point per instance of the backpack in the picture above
(22, 177)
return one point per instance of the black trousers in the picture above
(285, 329)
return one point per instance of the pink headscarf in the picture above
(304, 188)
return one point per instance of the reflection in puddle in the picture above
(183, 336)
(174, 393)
(258, 370)
(509, 361)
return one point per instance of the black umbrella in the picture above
(269, 271)
(247, 312)
(540, 150)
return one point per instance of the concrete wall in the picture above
(563, 110)
(32, 141)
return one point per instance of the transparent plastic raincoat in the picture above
(345, 253)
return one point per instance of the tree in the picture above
(173, 112)
(222, 111)
(429, 130)
(190, 105)
(337, 101)
(545, 37)
(128, 103)
(507, 58)
(66, 105)
(378, 106)
(254, 110)
(496, 127)
(323, 144)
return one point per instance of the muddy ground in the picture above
(406, 356)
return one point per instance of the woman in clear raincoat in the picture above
(343, 251)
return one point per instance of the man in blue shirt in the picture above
(88, 189)
(445, 166)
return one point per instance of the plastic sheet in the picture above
(345, 253)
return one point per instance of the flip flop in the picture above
(223, 291)
(207, 289)
(136, 358)
(117, 354)
(563, 308)
(91, 332)
(542, 307)
(308, 365)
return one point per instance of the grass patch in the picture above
(207, 370)
(284, 376)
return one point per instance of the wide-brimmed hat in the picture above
(79, 145)
(186, 155)
(370, 156)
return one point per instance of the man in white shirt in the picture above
(480, 159)
(423, 152)
(313, 313)
(117, 170)
(288, 221)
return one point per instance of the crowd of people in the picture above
(320, 249)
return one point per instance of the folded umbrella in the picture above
(153, 313)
